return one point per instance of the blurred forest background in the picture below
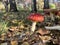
(9, 5)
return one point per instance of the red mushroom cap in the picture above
(36, 17)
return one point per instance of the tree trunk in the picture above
(34, 6)
(13, 7)
(46, 4)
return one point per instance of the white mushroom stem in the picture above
(33, 26)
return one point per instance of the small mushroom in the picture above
(35, 17)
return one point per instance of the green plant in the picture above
(3, 27)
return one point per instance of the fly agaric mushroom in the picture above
(35, 17)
